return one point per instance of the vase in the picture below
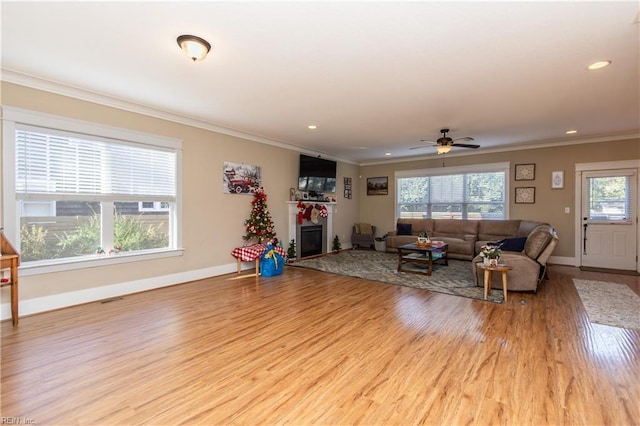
(486, 261)
(493, 262)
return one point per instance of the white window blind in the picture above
(49, 162)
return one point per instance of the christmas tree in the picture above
(259, 225)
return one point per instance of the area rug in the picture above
(609, 303)
(455, 279)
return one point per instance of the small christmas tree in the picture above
(259, 225)
(336, 246)
(291, 251)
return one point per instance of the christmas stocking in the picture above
(314, 215)
(300, 212)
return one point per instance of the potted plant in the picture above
(490, 254)
(423, 239)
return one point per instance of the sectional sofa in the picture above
(536, 241)
(465, 237)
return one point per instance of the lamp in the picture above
(443, 149)
(195, 47)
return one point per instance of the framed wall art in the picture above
(557, 179)
(525, 171)
(378, 185)
(347, 187)
(526, 195)
(238, 178)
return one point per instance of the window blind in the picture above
(50, 162)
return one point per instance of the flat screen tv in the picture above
(317, 174)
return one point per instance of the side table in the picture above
(488, 275)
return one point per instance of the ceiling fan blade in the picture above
(420, 147)
(466, 145)
(428, 141)
(466, 139)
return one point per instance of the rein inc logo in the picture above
(15, 420)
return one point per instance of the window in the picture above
(609, 198)
(474, 192)
(84, 192)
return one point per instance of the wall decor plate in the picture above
(525, 171)
(526, 195)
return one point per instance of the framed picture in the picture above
(526, 195)
(305, 195)
(557, 179)
(525, 171)
(347, 187)
(378, 185)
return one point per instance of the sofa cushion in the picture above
(403, 229)
(493, 230)
(538, 240)
(512, 244)
(455, 228)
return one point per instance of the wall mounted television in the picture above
(317, 174)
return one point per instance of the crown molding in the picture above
(33, 82)
(27, 80)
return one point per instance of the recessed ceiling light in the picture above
(312, 127)
(598, 65)
(571, 132)
(387, 154)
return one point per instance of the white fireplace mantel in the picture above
(293, 220)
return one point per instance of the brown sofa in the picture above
(465, 237)
(529, 265)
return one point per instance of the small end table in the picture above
(488, 275)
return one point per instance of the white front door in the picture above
(609, 219)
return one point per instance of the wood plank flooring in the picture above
(313, 348)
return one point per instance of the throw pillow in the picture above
(512, 244)
(403, 229)
(365, 229)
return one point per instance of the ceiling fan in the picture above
(445, 143)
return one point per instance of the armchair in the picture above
(363, 235)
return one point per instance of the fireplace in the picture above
(296, 226)
(310, 240)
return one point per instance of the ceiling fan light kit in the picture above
(445, 143)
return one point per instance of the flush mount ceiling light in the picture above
(598, 65)
(443, 149)
(195, 47)
(312, 127)
(571, 132)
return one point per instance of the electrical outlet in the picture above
(567, 210)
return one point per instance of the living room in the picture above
(212, 222)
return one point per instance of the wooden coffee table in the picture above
(430, 255)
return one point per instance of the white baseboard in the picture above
(563, 260)
(64, 300)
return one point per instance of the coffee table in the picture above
(430, 255)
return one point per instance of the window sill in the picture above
(38, 268)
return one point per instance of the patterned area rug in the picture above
(455, 279)
(609, 303)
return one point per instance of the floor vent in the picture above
(113, 299)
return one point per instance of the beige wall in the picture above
(212, 220)
(549, 203)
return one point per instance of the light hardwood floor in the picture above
(308, 347)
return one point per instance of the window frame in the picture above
(13, 117)
(503, 167)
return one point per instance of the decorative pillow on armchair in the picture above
(366, 229)
(512, 244)
(403, 229)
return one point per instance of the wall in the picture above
(212, 220)
(549, 203)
